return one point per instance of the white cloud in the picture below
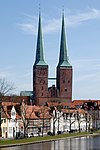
(87, 64)
(54, 24)
(6, 72)
(28, 28)
(87, 70)
(86, 79)
(82, 17)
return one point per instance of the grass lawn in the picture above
(40, 139)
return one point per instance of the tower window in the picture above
(68, 81)
(42, 94)
(65, 89)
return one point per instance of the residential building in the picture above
(19, 120)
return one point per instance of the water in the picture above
(82, 143)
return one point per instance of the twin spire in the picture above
(39, 49)
(63, 58)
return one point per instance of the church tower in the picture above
(64, 70)
(40, 71)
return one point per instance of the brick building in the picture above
(62, 91)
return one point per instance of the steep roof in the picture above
(63, 58)
(43, 111)
(39, 49)
(16, 99)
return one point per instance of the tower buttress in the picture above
(64, 69)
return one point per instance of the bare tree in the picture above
(5, 88)
(26, 114)
(57, 114)
(70, 117)
(83, 116)
(79, 117)
(44, 115)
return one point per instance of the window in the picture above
(4, 129)
(21, 129)
(68, 81)
(10, 130)
(4, 120)
(42, 94)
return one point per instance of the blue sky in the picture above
(18, 35)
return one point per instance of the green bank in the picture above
(17, 142)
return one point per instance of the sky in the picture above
(18, 37)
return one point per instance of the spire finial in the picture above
(62, 9)
(39, 8)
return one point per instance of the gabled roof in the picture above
(7, 107)
(80, 111)
(63, 104)
(32, 111)
(16, 99)
(81, 102)
(52, 104)
(69, 111)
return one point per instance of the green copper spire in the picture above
(39, 49)
(63, 58)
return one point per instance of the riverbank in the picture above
(33, 140)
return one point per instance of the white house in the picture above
(13, 126)
(70, 120)
(10, 124)
(57, 122)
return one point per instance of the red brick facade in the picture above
(40, 84)
(61, 93)
(64, 83)
(63, 89)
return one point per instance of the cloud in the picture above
(21, 80)
(86, 78)
(87, 70)
(81, 64)
(28, 28)
(53, 25)
(6, 72)
(82, 17)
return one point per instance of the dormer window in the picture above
(13, 113)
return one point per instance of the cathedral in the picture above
(62, 91)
